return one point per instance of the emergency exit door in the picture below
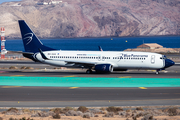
(153, 59)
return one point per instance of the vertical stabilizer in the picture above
(30, 41)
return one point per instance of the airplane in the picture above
(98, 61)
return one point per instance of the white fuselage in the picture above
(119, 60)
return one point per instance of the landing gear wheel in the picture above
(157, 72)
(89, 71)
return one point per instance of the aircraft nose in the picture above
(168, 63)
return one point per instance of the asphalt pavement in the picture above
(20, 96)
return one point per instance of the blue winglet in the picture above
(100, 49)
(42, 54)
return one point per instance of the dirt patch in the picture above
(169, 113)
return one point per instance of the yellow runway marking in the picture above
(10, 86)
(142, 88)
(125, 77)
(73, 87)
(70, 76)
(16, 75)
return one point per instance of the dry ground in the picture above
(116, 117)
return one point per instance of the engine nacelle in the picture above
(104, 68)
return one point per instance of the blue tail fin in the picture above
(30, 41)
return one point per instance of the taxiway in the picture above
(20, 96)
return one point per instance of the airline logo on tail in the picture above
(28, 37)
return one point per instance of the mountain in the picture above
(92, 18)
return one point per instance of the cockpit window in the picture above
(163, 57)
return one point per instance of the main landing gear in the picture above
(89, 71)
(157, 72)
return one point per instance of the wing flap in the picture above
(81, 62)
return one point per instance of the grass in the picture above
(114, 109)
(82, 109)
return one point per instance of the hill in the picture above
(92, 18)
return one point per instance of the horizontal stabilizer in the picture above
(20, 52)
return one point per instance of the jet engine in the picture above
(103, 68)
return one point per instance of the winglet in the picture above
(100, 49)
(42, 54)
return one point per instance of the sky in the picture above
(1, 1)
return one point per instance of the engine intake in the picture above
(104, 68)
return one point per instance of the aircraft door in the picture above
(153, 59)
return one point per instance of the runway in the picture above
(75, 96)
(90, 97)
(43, 70)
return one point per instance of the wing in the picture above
(87, 63)
(84, 64)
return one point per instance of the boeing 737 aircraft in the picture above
(99, 61)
